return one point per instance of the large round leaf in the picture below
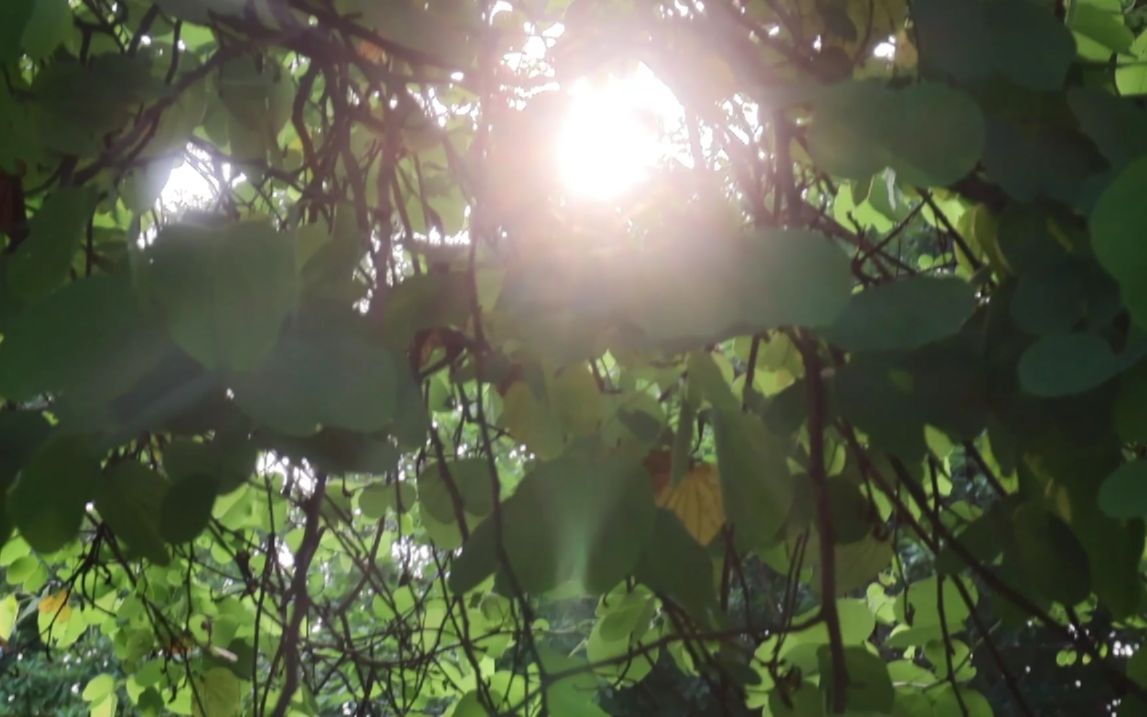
(936, 135)
(904, 314)
(128, 498)
(1118, 224)
(1066, 364)
(47, 501)
(328, 370)
(41, 263)
(224, 291)
(1124, 492)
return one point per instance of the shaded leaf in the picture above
(904, 314)
(1123, 493)
(586, 517)
(1117, 225)
(47, 501)
(470, 478)
(756, 487)
(674, 564)
(129, 497)
(14, 16)
(224, 292)
(1066, 364)
(326, 371)
(186, 508)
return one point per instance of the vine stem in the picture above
(819, 480)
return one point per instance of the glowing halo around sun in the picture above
(614, 133)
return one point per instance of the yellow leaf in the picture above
(56, 605)
(696, 501)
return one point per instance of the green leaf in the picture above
(929, 134)
(920, 606)
(471, 480)
(427, 34)
(227, 461)
(856, 564)
(328, 370)
(377, 498)
(104, 91)
(48, 27)
(586, 516)
(953, 39)
(422, 302)
(1053, 561)
(793, 278)
(14, 15)
(1131, 73)
(1031, 47)
(674, 564)
(1101, 24)
(9, 613)
(904, 314)
(856, 625)
(75, 338)
(756, 487)
(1130, 411)
(1114, 548)
(1112, 122)
(41, 262)
(186, 508)
(224, 292)
(935, 135)
(128, 498)
(1118, 223)
(1030, 160)
(1123, 493)
(845, 138)
(98, 688)
(1050, 298)
(971, 40)
(868, 687)
(336, 451)
(21, 432)
(197, 11)
(219, 694)
(1066, 364)
(47, 501)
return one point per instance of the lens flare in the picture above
(613, 134)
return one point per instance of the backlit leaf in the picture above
(904, 314)
(224, 292)
(41, 262)
(756, 487)
(696, 501)
(46, 503)
(129, 497)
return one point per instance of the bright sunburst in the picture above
(614, 133)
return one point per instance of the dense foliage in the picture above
(841, 408)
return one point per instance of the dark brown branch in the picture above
(819, 480)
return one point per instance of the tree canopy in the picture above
(339, 377)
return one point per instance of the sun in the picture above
(614, 133)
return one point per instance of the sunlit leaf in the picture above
(696, 501)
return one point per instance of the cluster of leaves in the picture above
(842, 411)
